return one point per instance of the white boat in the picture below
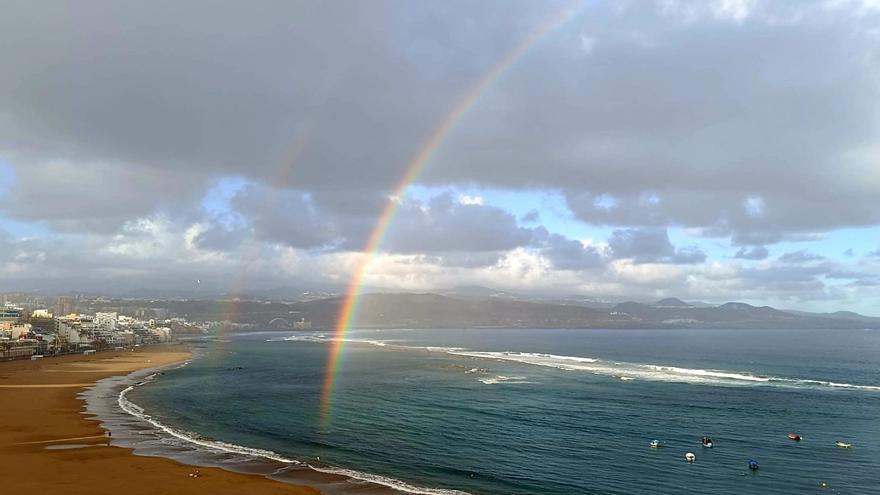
(690, 457)
(655, 444)
(843, 445)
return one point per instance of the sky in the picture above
(722, 150)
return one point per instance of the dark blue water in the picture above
(551, 411)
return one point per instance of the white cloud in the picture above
(471, 200)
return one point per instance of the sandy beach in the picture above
(48, 446)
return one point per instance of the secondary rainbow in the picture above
(424, 154)
(231, 309)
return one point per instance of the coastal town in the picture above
(33, 331)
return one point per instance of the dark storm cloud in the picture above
(340, 92)
(687, 113)
(288, 217)
(705, 123)
(88, 197)
(444, 225)
(441, 225)
(219, 237)
(754, 253)
(688, 256)
(751, 122)
(568, 254)
(651, 245)
(800, 257)
(784, 282)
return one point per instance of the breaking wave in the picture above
(504, 379)
(623, 370)
(138, 412)
(217, 446)
(389, 482)
(634, 371)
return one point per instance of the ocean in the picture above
(491, 411)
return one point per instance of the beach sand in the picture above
(48, 446)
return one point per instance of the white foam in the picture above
(632, 371)
(623, 370)
(389, 482)
(708, 373)
(505, 379)
(134, 410)
(378, 343)
(299, 338)
(138, 412)
(538, 359)
(820, 383)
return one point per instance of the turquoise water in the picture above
(550, 411)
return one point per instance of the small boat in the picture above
(753, 464)
(690, 457)
(843, 445)
(655, 444)
(707, 442)
(795, 437)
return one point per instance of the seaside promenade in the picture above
(48, 446)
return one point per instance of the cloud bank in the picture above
(715, 150)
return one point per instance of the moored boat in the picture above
(843, 445)
(707, 442)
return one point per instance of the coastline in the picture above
(142, 433)
(49, 445)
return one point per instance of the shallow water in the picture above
(547, 411)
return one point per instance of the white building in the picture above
(107, 321)
(14, 331)
(42, 313)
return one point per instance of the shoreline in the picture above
(145, 435)
(52, 445)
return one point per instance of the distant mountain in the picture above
(474, 307)
(440, 311)
(839, 315)
(732, 315)
(428, 310)
(475, 291)
(288, 293)
(671, 302)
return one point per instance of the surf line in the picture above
(426, 151)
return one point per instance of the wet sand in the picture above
(48, 446)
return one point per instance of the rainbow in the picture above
(424, 154)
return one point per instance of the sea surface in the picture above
(541, 411)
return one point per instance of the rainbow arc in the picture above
(422, 157)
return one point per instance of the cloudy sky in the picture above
(714, 150)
